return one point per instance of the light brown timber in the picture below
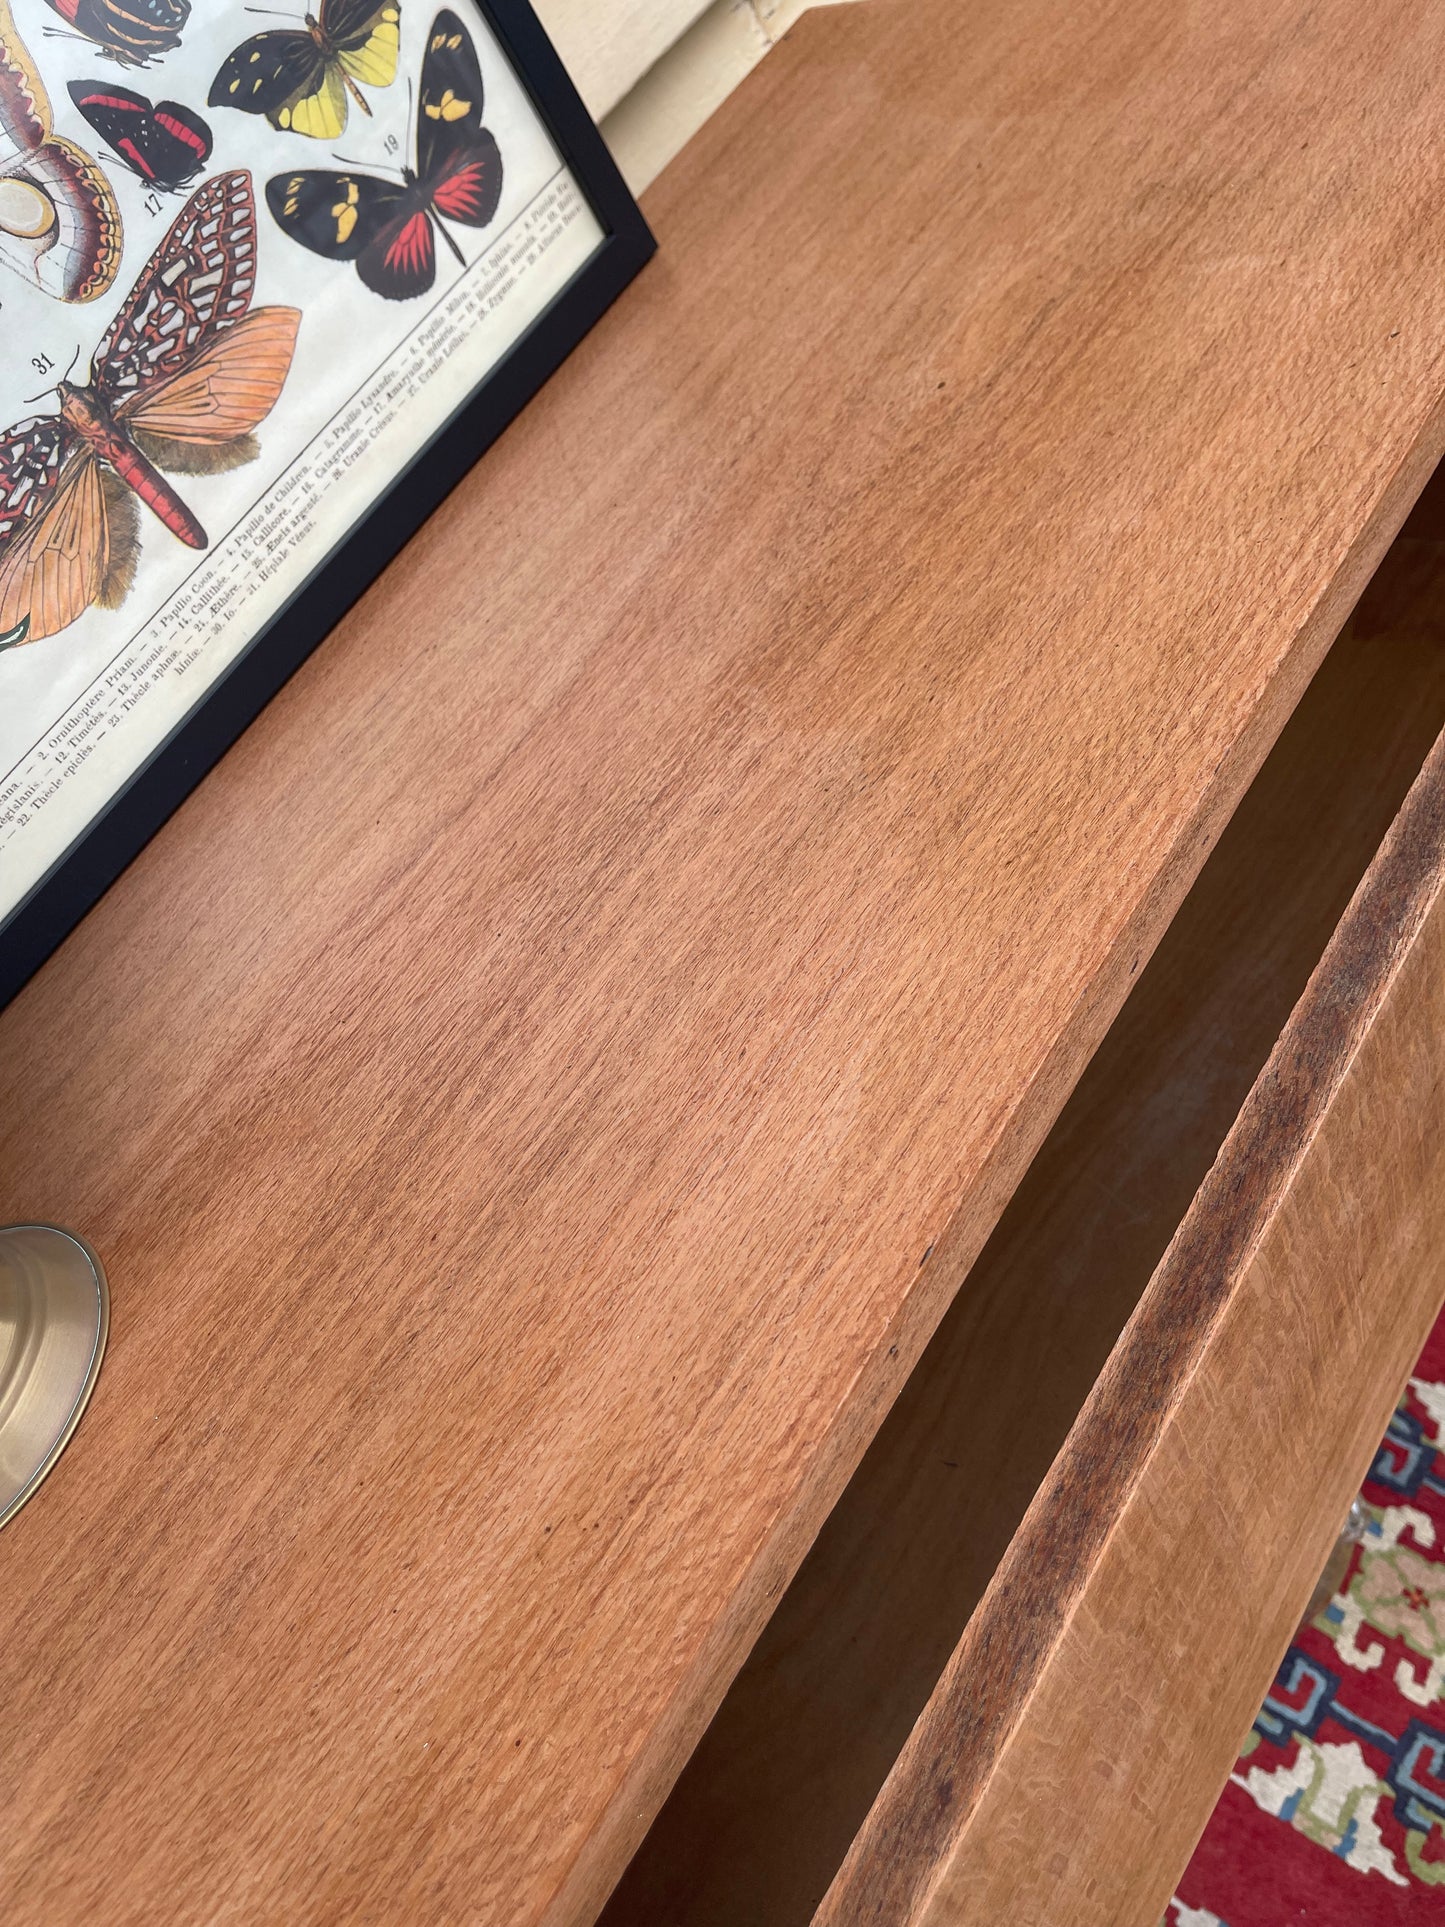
(515, 1095)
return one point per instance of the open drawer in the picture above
(1012, 1675)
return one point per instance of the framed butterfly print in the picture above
(269, 285)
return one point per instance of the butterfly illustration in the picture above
(182, 376)
(133, 32)
(299, 78)
(166, 145)
(388, 228)
(59, 224)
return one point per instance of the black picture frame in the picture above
(117, 834)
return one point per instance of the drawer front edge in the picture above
(1071, 1752)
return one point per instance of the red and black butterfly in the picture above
(388, 228)
(133, 32)
(183, 375)
(166, 145)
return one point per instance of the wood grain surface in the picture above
(1135, 1622)
(538, 1096)
(765, 1810)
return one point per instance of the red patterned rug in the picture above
(1335, 1811)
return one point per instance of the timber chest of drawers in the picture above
(771, 1151)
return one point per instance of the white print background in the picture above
(346, 334)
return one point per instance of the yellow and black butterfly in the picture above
(299, 77)
(389, 228)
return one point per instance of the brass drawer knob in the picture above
(54, 1315)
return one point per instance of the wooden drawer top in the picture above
(537, 1096)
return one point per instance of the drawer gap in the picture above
(766, 1809)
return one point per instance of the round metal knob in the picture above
(54, 1315)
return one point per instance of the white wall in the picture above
(653, 70)
(607, 45)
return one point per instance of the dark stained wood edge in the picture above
(935, 1786)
